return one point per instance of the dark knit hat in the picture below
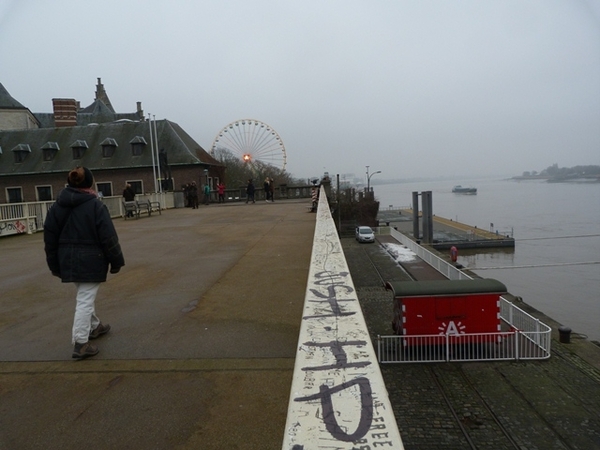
(80, 177)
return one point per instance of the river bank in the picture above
(555, 227)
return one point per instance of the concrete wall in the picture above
(338, 397)
(16, 119)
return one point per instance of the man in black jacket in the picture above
(81, 243)
(129, 196)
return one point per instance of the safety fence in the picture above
(446, 269)
(502, 345)
(525, 336)
(28, 218)
(20, 218)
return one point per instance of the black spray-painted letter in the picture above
(366, 408)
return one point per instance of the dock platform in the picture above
(447, 232)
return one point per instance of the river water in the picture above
(556, 227)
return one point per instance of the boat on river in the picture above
(458, 189)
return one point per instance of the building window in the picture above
(109, 146)
(138, 144)
(21, 152)
(79, 148)
(137, 186)
(14, 195)
(20, 157)
(49, 150)
(105, 189)
(44, 193)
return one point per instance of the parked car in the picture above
(365, 234)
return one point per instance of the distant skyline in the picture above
(414, 89)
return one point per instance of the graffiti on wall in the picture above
(16, 227)
(339, 399)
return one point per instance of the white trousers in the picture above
(85, 312)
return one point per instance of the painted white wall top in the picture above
(338, 398)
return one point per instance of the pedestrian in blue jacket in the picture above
(81, 243)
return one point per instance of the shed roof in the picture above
(445, 287)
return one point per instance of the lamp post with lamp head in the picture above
(369, 178)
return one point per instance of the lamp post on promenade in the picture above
(369, 178)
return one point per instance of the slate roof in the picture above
(7, 101)
(180, 147)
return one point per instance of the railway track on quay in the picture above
(477, 405)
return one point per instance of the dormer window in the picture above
(49, 150)
(79, 147)
(21, 152)
(138, 144)
(109, 146)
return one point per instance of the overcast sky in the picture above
(412, 88)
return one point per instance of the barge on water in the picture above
(458, 189)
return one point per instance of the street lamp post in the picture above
(369, 178)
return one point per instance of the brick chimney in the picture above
(65, 112)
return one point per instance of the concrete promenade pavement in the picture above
(205, 319)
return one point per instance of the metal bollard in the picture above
(564, 334)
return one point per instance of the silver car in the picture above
(365, 234)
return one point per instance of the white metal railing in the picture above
(446, 269)
(527, 338)
(515, 344)
(20, 218)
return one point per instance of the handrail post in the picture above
(27, 218)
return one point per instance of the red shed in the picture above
(446, 306)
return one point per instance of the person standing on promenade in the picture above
(129, 196)
(267, 189)
(272, 189)
(250, 191)
(206, 193)
(193, 195)
(186, 194)
(221, 192)
(81, 243)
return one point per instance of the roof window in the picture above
(21, 152)
(138, 144)
(49, 150)
(109, 146)
(79, 148)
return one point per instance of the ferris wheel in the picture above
(253, 141)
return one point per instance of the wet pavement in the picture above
(205, 318)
